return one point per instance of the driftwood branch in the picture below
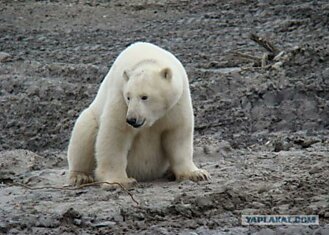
(266, 57)
(246, 56)
(265, 43)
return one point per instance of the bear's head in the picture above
(149, 94)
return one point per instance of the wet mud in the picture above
(261, 125)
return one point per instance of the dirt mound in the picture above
(261, 111)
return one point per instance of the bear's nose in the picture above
(132, 121)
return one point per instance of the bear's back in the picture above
(143, 51)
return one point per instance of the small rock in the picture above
(154, 229)
(206, 150)
(248, 211)
(326, 73)
(221, 149)
(283, 209)
(104, 224)
(184, 209)
(306, 143)
(321, 231)
(139, 216)
(204, 202)
(77, 221)
(281, 145)
(47, 222)
(316, 169)
(319, 198)
(5, 57)
(265, 231)
(262, 188)
(225, 146)
(70, 215)
(257, 205)
(228, 205)
(117, 218)
(33, 90)
(3, 227)
(188, 233)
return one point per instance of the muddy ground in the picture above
(261, 131)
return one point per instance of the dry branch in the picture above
(265, 43)
(266, 57)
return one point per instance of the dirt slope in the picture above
(262, 132)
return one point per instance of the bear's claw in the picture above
(78, 178)
(197, 175)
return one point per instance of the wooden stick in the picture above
(264, 43)
(246, 56)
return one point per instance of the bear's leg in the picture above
(178, 145)
(81, 149)
(112, 147)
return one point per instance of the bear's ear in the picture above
(166, 73)
(125, 75)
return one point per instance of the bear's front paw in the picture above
(117, 183)
(196, 175)
(77, 178)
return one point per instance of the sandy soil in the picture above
(262, 132)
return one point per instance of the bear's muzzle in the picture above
(135, 123)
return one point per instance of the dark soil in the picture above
(261, 131)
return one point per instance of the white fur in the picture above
(121, 152)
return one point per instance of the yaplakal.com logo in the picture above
(279, 219)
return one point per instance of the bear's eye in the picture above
(144, 97)
(128, 98)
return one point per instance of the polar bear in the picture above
(139, 125)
